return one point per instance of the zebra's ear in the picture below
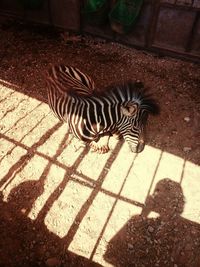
(129, 109)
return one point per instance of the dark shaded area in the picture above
(168, 240)
(160, 25)
(26, 52)
(24, 55)
(28, 243)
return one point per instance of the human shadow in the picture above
(29, 243)
(165, 240)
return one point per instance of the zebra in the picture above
(121, 109)
(63, 79)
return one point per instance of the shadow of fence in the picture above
(94, 186)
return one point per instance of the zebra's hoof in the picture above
(99, 149)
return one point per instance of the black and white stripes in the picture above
(62, 80)
(67, 78)
(90, 115)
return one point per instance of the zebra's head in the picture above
(135, 113)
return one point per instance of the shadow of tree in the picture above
(167, 240)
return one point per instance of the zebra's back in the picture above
(62, 80)
(70, 79)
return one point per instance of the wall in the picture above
(168, 27)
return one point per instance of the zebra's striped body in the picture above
(62, 80)
(122, 109)
(65, 79)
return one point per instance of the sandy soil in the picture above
(61, 204)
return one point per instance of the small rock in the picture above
(53, 262)
(47, 254)
(130, 246)
(148, 239)
(23, 211)
(150, 229)
(174, 132)
(187, 119)
(187, 149)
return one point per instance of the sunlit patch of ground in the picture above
(83, 198)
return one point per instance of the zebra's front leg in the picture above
(101, 146)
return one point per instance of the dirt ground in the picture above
(63, 205)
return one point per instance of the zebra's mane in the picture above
(129, 91)
(135, 92)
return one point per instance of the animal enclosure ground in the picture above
(63, 205)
